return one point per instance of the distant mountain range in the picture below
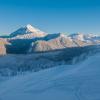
(29, 39)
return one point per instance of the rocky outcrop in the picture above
(3, 43)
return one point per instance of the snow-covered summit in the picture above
(31, 29)
(28, 32)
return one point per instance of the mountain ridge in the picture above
(30, 38)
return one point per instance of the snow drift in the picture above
(67, 82)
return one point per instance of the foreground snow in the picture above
(78, 82)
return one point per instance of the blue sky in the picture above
(51, 15)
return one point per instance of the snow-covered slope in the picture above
(86, 37)
(52, 42)
(61, 41)
(11, 65)
(27, 32)
(76, 82)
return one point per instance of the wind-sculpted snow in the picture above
(67, 82)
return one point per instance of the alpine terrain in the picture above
(35, 65)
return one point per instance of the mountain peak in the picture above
(31, 28)
(28, 30)
(29, 25)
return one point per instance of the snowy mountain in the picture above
(86, 37)
(29, 39)
(66, 82)
(40, 66)
(52, 42)
(61, 41)
(27, 32)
